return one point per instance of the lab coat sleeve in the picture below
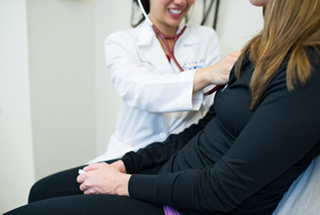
(160, 152)
(141, 86)
(284, 128)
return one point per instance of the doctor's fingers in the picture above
(231, 59)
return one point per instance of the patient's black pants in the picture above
(60, 194)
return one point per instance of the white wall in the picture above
(16, 155)
(47, 62)
(238, 22)
(110, 16)
(62, 72)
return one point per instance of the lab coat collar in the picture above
(187, 38)
(147, 35)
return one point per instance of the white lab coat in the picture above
(157, 98)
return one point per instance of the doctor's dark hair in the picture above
(146, 6)
(289, 28)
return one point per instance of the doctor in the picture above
(158, 99)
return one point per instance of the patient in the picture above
(260, 134)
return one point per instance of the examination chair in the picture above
(303, 196)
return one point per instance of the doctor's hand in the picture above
(217, 74)
(102, 178)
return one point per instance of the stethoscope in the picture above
(164, 38)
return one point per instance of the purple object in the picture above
(170, 211)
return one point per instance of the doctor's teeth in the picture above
(175, 11)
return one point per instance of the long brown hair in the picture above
(289, 27)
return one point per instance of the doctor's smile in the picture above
(169, 13)
(175, 12)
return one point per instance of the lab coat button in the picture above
(163, 135)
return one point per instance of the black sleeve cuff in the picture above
(129, 163)
(146, 187)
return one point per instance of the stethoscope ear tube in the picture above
(144, 12)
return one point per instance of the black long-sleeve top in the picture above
(235, 161)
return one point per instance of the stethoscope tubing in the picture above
(164, 38)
